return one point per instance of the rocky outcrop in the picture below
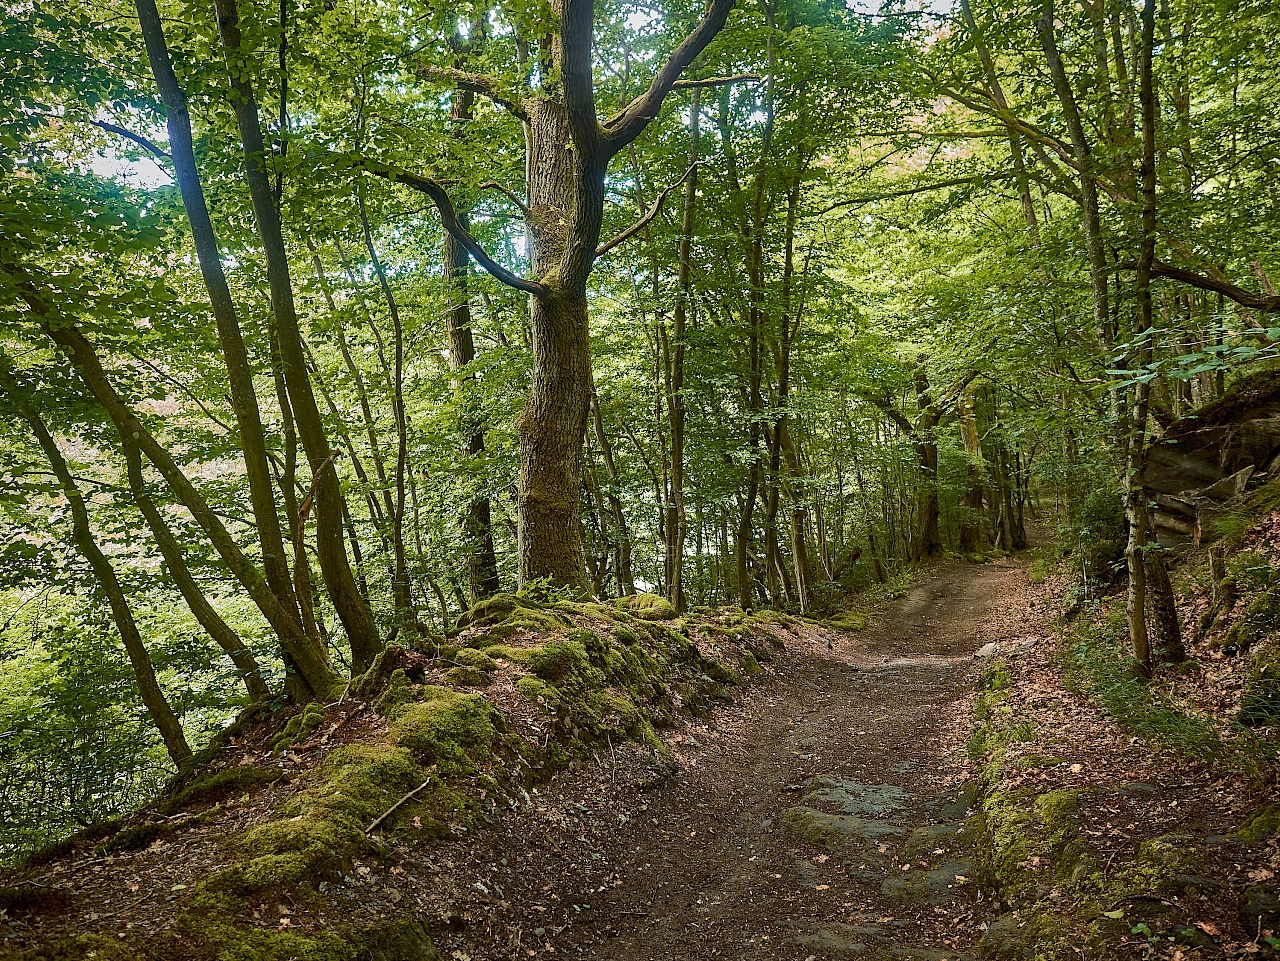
(1206, 461)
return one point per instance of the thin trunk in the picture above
(477, 524)
(330, 546)
(623, 547)
(1087, 165)
(313, 666)
(153, 698)
(1136, 446)
(677, 521)
(244, 401)
(219, 630)
(402, 590)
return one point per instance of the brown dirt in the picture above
(705, 865)
(602, 862)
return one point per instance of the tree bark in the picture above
(153, 698)
(330, 546)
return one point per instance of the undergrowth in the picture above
(1095, 661)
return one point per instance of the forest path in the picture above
(814, 819)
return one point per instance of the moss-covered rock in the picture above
(447, 728)
(1262, 824)
(300, 726)
(649, 607)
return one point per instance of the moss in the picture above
(231, 942)
(468, 657)
(624, 635)
(504, 614)
(1260, 618)
(847, 622)
(397, 693)
(135, 837)
(649, 607)
(448, 729)
(750, 666)
(1263, 823)
(83, 947)
(540, 692)
(300, 726)
(220, 784)
(557, 660)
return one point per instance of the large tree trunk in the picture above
(330, 546)
(153, 698)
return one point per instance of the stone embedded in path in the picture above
(927, 885)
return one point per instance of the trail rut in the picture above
(819, 817)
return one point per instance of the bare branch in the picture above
(630, 122)
(476, 84)
(649, 214)
(911, 191)
(716, 81)
(511, 195)
(1245, 298)
(449, 219)
(140, 140)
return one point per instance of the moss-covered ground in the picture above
(424, 745)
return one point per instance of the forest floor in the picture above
(828, 812)
(811, 819)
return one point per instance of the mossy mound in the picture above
(221, 784)
(1260, 825)
(300, 726)
(649, 607)
(505, 614)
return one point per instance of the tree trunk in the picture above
(312, 663)
(153, 698)
(330, 547)
(244, 400)
(677, 520)
(482, 562)
(218, 629)
(971, 521)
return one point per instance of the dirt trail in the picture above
(817, 818)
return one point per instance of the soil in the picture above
(814, 818)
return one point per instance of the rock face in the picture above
(1206, 460)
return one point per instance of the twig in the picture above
(395, 807)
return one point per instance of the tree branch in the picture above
(140, 140)
(630, 122)
(1245, 298)
(911, 191)
(476, 84)
(715, 81)
(511, 195)
(648, 215)
(449, 219)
